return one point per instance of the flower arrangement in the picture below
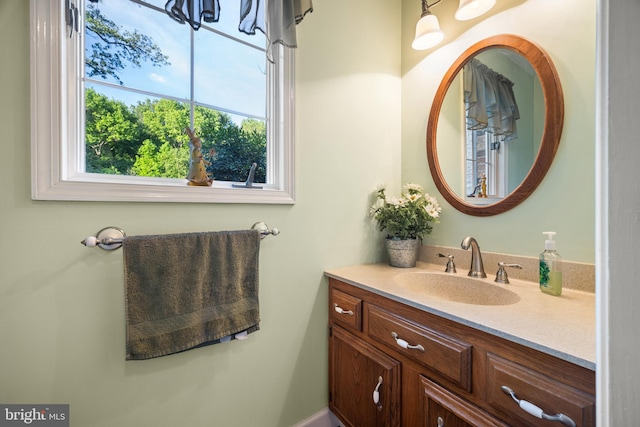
(408, 217)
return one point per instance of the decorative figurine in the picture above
(483, 186)
(197, 164)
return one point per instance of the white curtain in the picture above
(279, 25)
(489, 101)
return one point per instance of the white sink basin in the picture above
(456, 288)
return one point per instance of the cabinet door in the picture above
(442, 408)
(360, 374)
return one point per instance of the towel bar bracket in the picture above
(109, 238)
(264, 229)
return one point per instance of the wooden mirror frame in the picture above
(553, 122)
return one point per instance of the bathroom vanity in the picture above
(419, 347)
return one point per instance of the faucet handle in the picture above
(451, 267)
(501, 275)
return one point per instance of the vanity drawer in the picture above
(537, 392)
(345, 309)
(443, 354)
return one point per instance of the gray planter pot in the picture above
(402, 253)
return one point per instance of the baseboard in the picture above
(324, 418)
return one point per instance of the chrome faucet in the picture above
(477, 269)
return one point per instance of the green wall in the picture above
(564, 202)
(62, 305)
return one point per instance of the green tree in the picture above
(165, 121)
(112, 47)
(237, 150)
(165, 161)
(174, 161)
(166, 153)
(112, 135)
(146, 163)
(253, 126)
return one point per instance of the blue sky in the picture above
(227, 74)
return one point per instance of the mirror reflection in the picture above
(490, 126)
(495, 125)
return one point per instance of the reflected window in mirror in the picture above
(485, 177)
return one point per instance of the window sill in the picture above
(158, 190)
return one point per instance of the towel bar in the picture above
(110, 238)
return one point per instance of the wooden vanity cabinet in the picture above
(431, 371)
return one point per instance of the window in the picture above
(75, 105)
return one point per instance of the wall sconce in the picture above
(428, 33)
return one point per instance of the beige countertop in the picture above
(561, 326)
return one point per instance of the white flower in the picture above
(433, 202)
(395, 201)
(415, 187)
(432, 211)
(412, 197)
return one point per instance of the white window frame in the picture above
(497, 177)
(56, 125)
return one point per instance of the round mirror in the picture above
(495, 125)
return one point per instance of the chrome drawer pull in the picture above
(376, 394)
(536, 411)
(440, 422)
(402, 343)
(337, 308)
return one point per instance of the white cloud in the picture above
(157, 78)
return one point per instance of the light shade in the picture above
(470, 9)
(428, 33)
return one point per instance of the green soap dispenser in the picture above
(550, 267)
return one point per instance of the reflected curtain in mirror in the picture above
(489, 101)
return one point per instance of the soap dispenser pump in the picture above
(550, 267)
